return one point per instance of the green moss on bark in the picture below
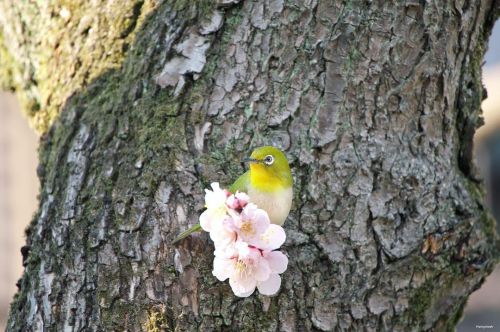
(69, 54)
(6, 66)
(157, 320)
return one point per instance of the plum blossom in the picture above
(237, 201)
(215, 202)
(250, 268)
(251, 224)
(245, 243)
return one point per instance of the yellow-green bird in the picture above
(268, 183)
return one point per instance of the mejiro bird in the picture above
(268, 183)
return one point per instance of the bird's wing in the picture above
(241, 184)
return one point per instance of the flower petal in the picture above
(271, 286)
(244, 294)
(206, 221)
(261, 270)
(215, 199)
(242, 248)
(273, 238)
(249, 210)
(242, 198)
(261, 221)
(226, 248)
(232, 202)
(252, 223)
(223, 268)
(222, 237)
(242, 286)
(277, 261)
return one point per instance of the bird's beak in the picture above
(250, 160)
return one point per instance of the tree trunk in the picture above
(141, 104)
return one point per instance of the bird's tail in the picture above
(186, 233)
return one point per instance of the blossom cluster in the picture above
(245, 243)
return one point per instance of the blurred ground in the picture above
(18, 191)
(483, 309)
(19, 187)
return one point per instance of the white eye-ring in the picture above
(269, 160)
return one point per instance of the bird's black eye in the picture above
(269, 160)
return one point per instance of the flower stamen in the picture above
(247, 228)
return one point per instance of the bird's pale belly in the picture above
(276, 204)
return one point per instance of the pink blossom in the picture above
(249, 268)
(237, 201)
(232, 202)
(242, 198)
(216, 212)
(251, 224)
(222, 234)
(245, 243)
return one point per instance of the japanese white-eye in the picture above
(268, 183)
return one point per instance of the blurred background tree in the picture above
(141, 105)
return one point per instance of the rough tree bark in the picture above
(141, 104)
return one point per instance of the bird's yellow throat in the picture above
(265, 179)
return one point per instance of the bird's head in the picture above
(269, 169)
